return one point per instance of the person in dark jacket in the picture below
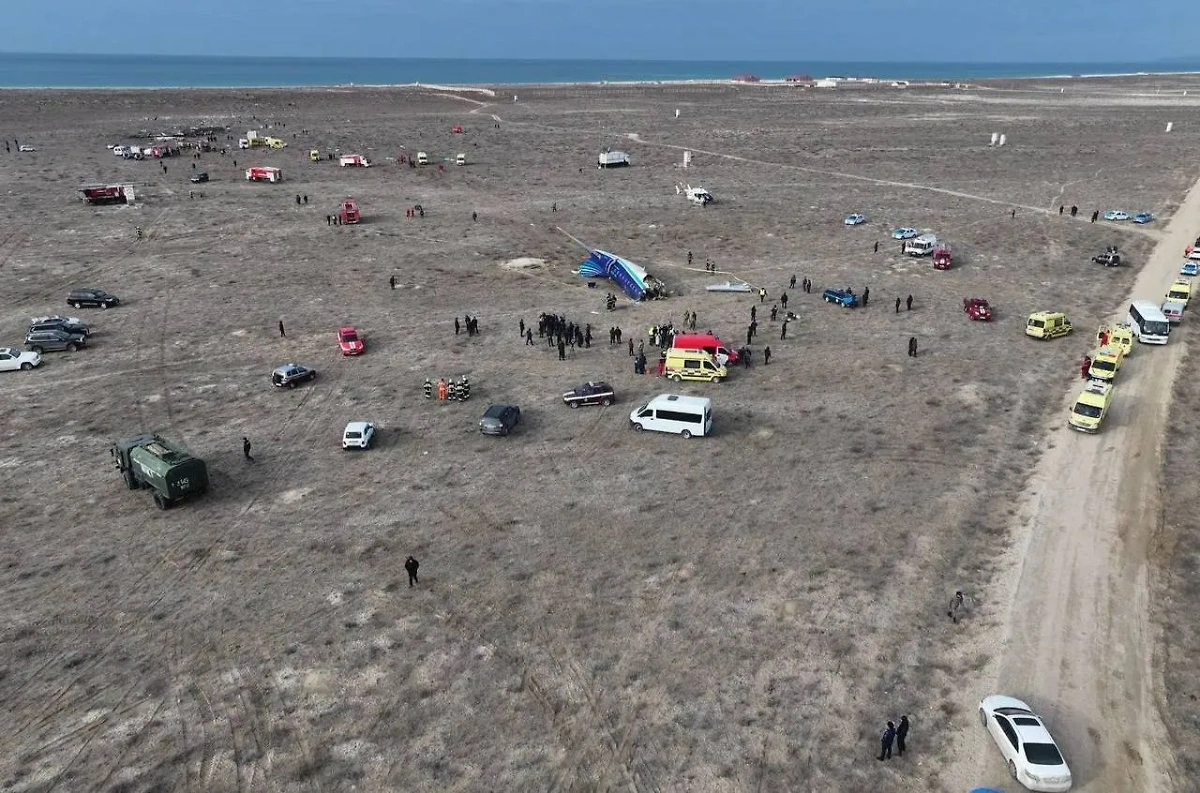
(411, 565)
(912, 346)
(901, 735)
(885, 741)
(246, 449)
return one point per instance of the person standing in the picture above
(912, 346)
(877, 246)
(246, 449)
(753, 313)
(411, 565)
(457, 328)
(792, 282)
(901, 735)
(562, 350)
(783, 300)
(529, 337)
(866, 296)
(767, 355)
(783, 330)
(282, 332)
(631, 348)
(392, 282)
(908, 304)
(762, 294)
(885, 742)
(956, 605)
(521, 326)
(1014, 214)
(749, 333)
(897, 305)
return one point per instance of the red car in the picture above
(457, 129)
(349, 342)
(977, 308)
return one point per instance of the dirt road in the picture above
(1072, 634)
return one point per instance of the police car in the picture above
(590, 393)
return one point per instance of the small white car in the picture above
(1116, 214)
(358, 435)
(905, 234)
(1030, 753)
(25, 147)
(855, 219)
(12, 360)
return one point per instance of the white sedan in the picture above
(12, 360)
(1116, 214)
(358, 435)
(905, 234)
(25, 147)
(855, 219)
(1032, 756)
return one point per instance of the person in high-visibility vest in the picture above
(442, 388)
(428, 388)
(452, 390)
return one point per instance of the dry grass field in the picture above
(598, 609)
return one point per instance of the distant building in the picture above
(802, 79)
(746, 78)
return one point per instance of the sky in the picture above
(700, 30)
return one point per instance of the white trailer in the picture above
(612, 159)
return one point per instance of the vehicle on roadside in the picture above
(679, 365)
(843, 297)
(1108, 259)
(12, 359)
(1116, 214)
(1143, 217)
(358, 435)
(977, 308)
(1190, 269)
(1048, 325)
(1173, 312)
(1180, 291)
(1116, 335)
(924, 245)
(1106, 362)
(349, 342)
(593, 392)
(53, 340)
(1032, 757)
(905, 233)
(26, 147)
(500, 419)
(91, 298)
(682, 415)
(855, 219)
(1147, 322)
(1091, 406)
(291, 375)
(69, 324)
(198, 178)
(943, 256)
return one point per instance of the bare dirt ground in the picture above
(597, 610)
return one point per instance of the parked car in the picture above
(590, 393)
(855, 219)
(197, 178)
(1108, 259)
(500, 419)
(358, 435)
(291, 375)
(843, 297)
(349, 342)
(92, 298)
(13, 359)
(1032, 757)
(69, 324)
(1189, 268)
(1173, 311)
(977, 308)
(41, 341)
(905, 234)
(25, 147)
(1116, 214)
(1143, 217)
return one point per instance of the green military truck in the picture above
(151, 461)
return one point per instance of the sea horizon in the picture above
(38, 71)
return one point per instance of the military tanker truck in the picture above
(153, 462)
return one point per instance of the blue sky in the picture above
(860, 30)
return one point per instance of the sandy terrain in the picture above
(598, 610)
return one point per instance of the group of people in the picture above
(448, 390)
(471, 323)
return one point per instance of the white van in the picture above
(922, 245)
(683, 415)
(1148, 323)
(119, 151)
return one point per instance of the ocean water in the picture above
(169, 71)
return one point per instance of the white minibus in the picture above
(683, 415)
(1148, 323)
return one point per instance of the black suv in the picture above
(91, 297)
(197, 178)
(500, 419)
(69, 324)
(54, 339)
